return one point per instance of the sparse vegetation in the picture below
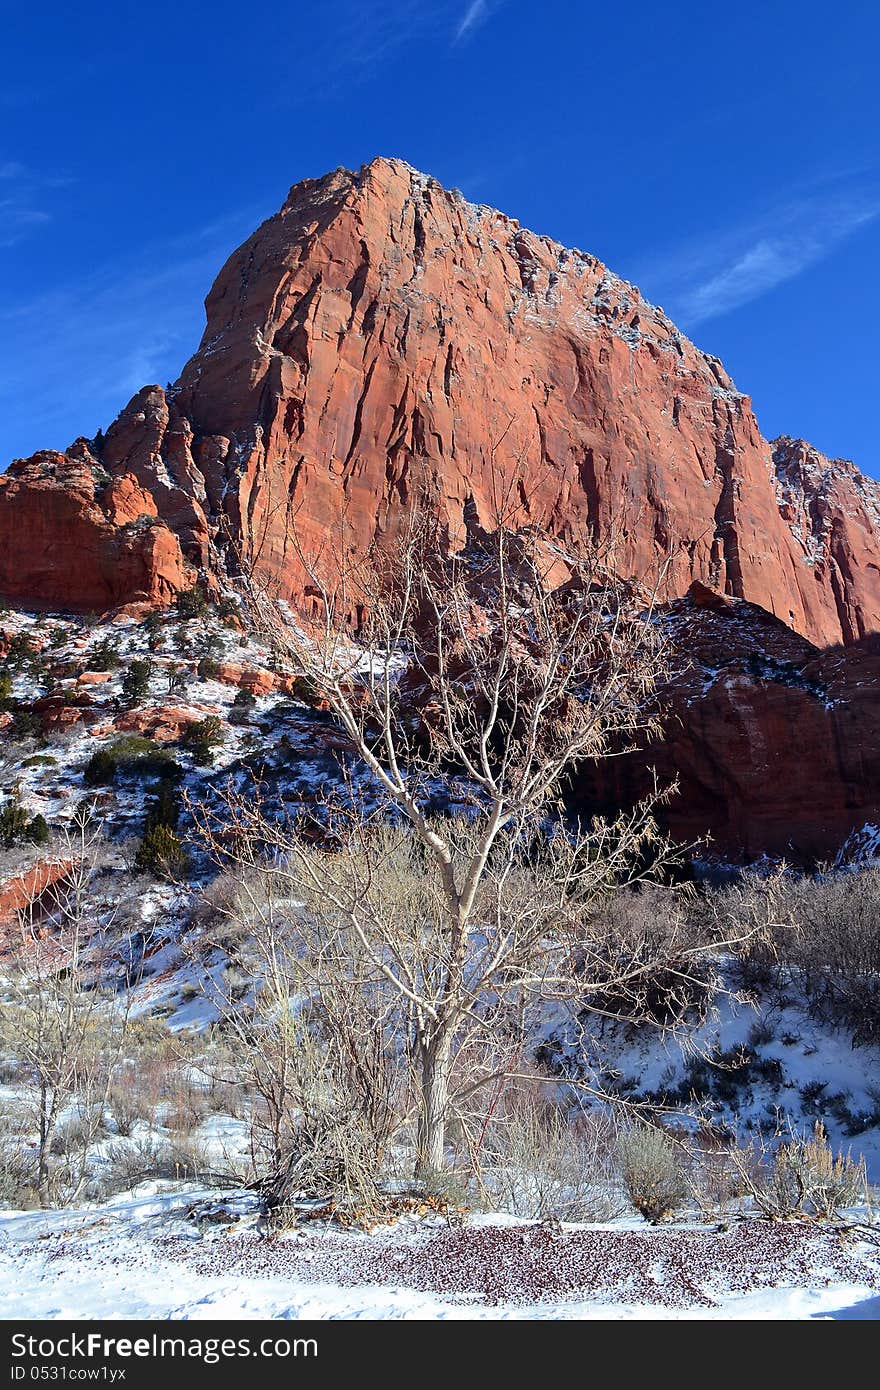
(192, 602)
(161, 850)
(104, 656)
(825, 944)
(242, 706)
(802, 1176)
(131, 754)
(17, 827)
(136, 681)
(208, 668)
(202, 737)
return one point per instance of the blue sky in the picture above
(724, 157)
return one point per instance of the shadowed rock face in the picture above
(774, 743)
(380, 339)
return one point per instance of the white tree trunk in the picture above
(434, 1060)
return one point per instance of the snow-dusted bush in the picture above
(18, 1175)
(536, 1162)
(824, 940)
(161, 852)
(154, 1157)
(78, 1129)
(208, 668)
(649, 933)
(831, 1181)
(17, 827)
(837, 949)
(136, 681)
(652, 1171)
(127, 1107)
(202, 737)
(803, 1177)
(191, 603)
(132, 754)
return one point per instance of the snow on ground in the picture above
(144, 1257)
(799, 1070)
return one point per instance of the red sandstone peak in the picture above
(833, 511)
(379, 340)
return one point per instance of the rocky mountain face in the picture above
(380, 341)
(832, 509)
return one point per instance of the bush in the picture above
(136, 682)
(20, 652)
(228, 609)
(178, 678)
(161, 852)
(637, 926)
(5, 688)
(306, 689)
(25, 724)
(805, 1177)
(154, 625)
(131, 754)
(191, 603)
(242, 706)
(826, 941)
(538, 1165)
(127, 1108)
(18, 828)
(105, 656)
(38, 830)
(651, 1171)
(134, 1161)
(18, 1177)
(831, 1181)
(77, 1132)
(164, 809)
(208, 669)
(202, 737)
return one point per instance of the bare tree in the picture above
(57, 1019)
(313, 1039)
(470, 686)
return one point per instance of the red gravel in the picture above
(530, 1264)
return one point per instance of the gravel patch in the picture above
(533, 1264)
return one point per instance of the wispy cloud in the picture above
(16, 219)
(771, 261)
(21, 201)
(474, 16)
(703, 280)
(364, 36)
(70, 359)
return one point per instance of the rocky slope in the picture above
(381, 339)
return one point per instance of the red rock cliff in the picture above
(381, 338)
(73, 538)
